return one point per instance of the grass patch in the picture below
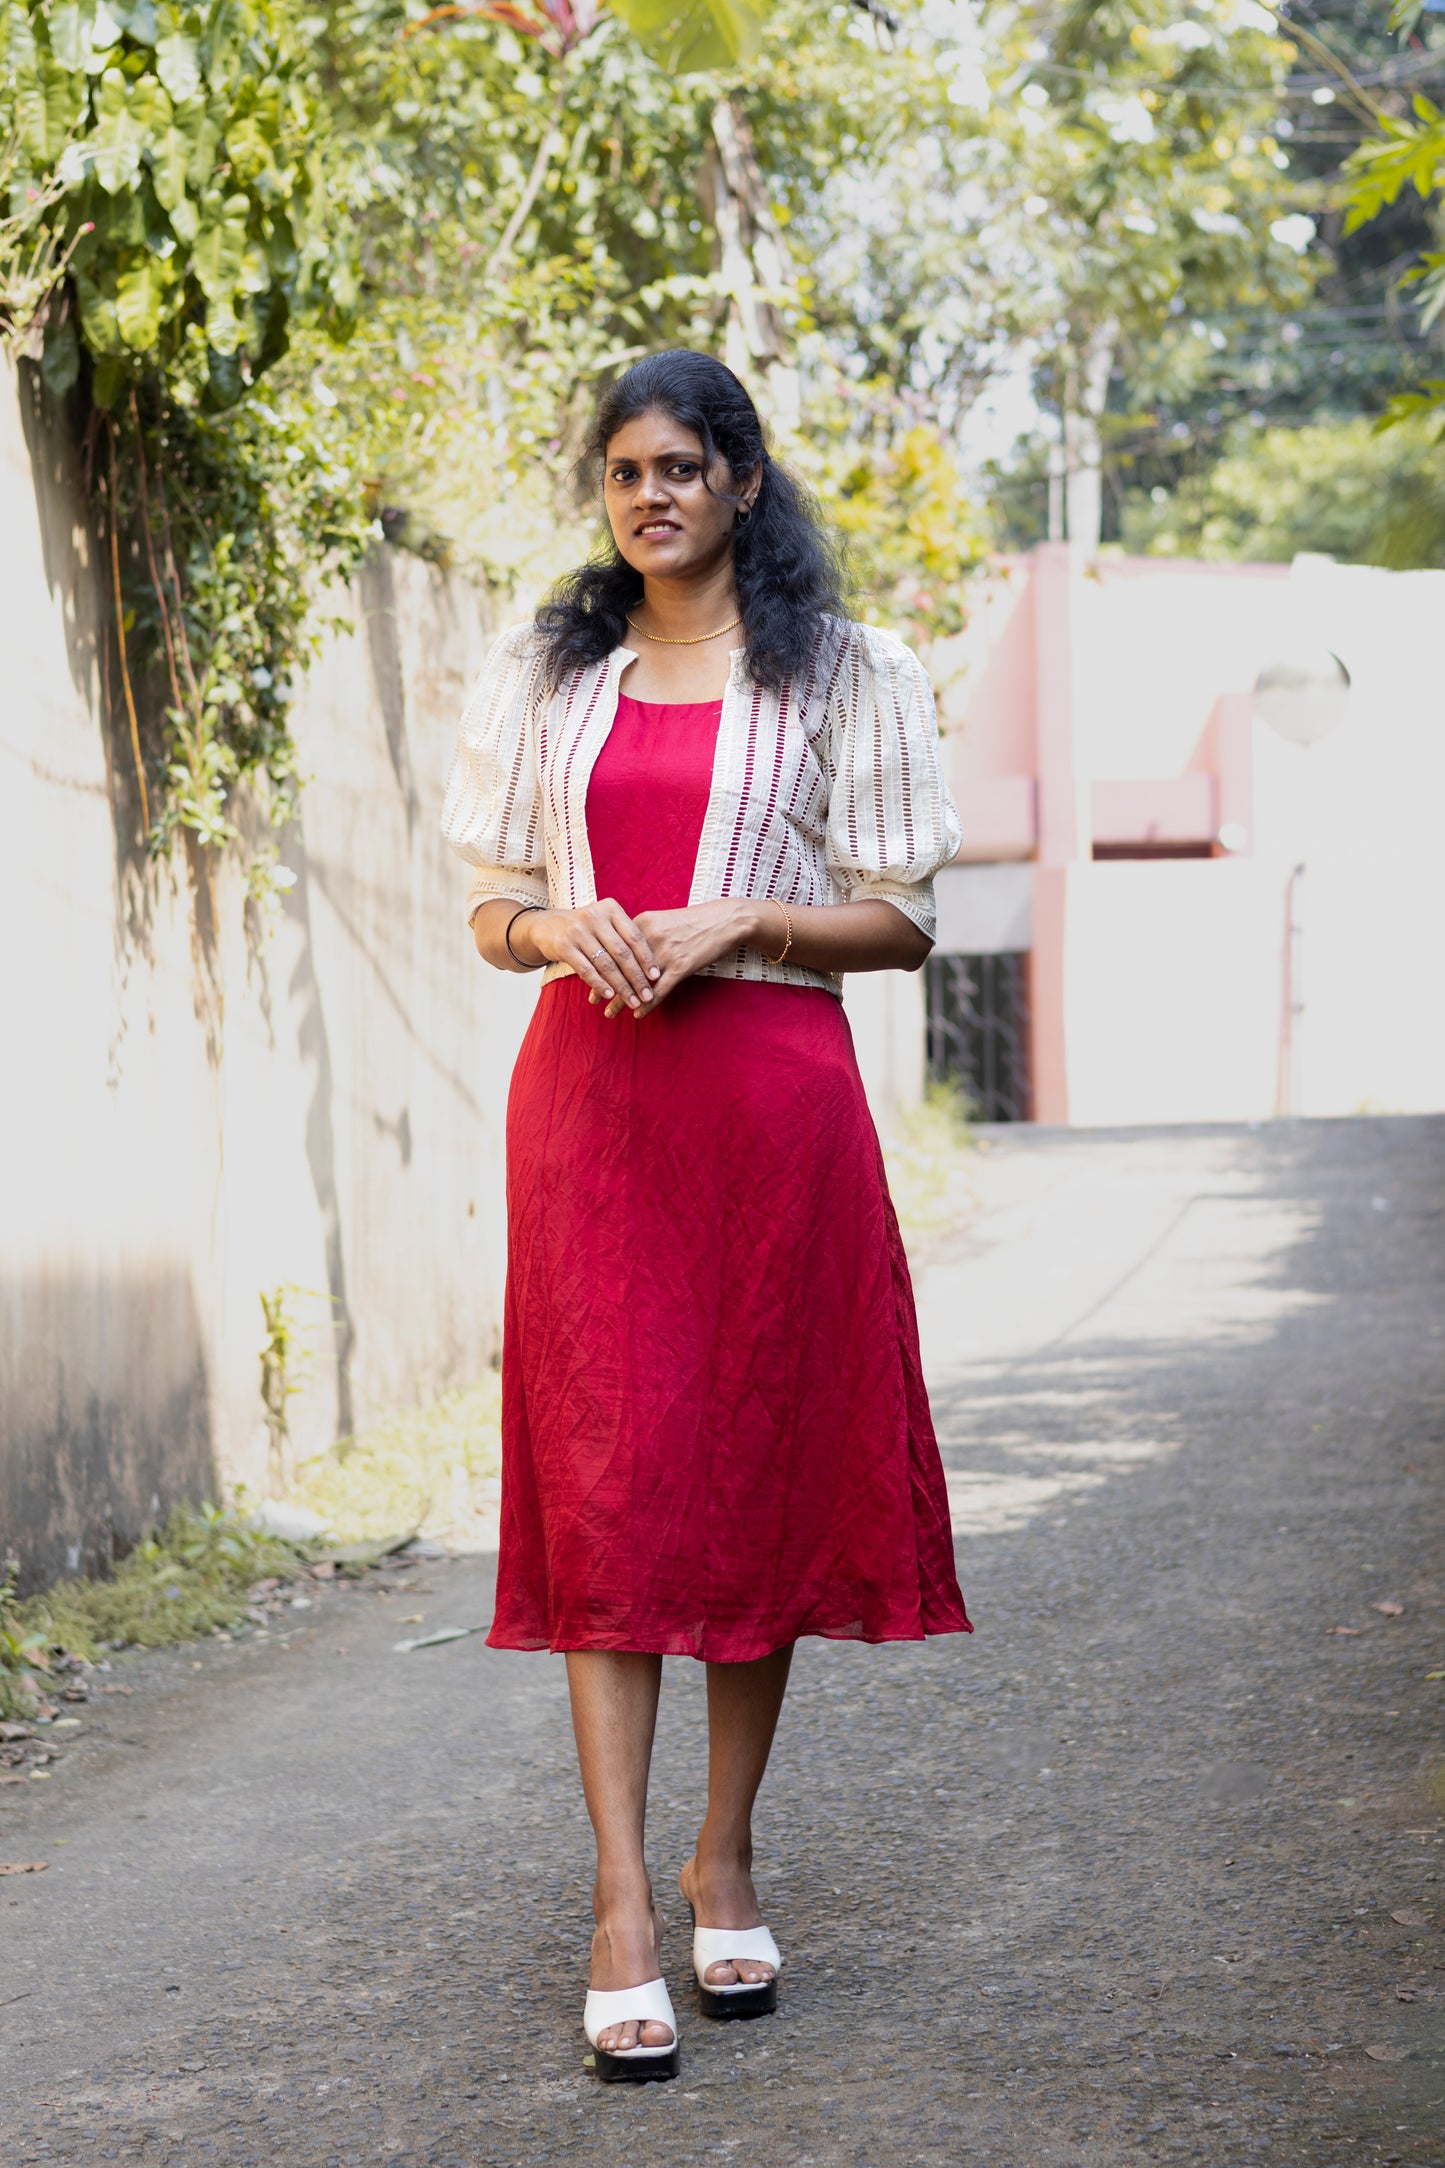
(929, 1162)
(435, 1468)
(186, 1579)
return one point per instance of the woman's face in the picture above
(665, 520)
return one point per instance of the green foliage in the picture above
(183, 150)
(33, 259)
(229, 524)
(930, 1173)
(186, 1580)
(914, 536)
(1404, 154)
(684, 36)
(188, 142)
(355, 270)
(435, 1467)
(1343, 489)
(24, 1654)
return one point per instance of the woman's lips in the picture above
(660, 526)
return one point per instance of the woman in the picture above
(715, 1433)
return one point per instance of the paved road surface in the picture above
(1139, 1874)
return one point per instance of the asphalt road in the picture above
(1141, 1873)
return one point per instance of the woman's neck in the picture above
(686, 608)
(669, 634)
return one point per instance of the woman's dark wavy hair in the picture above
(789, 575)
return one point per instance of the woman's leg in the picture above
(743, 1705)
(614, 1715)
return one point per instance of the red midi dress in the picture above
(715, 1431)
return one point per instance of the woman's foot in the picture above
(721, 1894)
(625, 1953)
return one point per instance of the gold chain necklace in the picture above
(697, 640)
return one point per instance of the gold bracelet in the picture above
(788, 923)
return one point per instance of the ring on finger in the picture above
(596, 953)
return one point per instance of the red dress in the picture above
(715, 1430)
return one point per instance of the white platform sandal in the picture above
(649, 2004)
(724, 1946)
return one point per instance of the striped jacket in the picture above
(827, 792)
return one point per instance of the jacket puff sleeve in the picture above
(892, 822)
(492, 813)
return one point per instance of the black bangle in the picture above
(507, 936)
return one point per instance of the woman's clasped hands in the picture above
(633, 964)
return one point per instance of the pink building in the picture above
(1163, 910)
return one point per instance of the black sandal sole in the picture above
(759, 2001)
(635, 2069)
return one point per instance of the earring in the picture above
(745, 515)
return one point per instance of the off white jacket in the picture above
(825, 793)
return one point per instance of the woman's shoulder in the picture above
(883, 652)
(521, 642)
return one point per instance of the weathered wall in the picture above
(184, 1126)
(188, 1122)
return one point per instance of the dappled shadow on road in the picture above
(1144, 1871)
(1248, 1244)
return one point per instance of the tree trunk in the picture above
(1086, 391)
(752, 266)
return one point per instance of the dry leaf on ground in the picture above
(1410, 1918)
(1382, 2054)
(1344, 1629)
(23, 1866)
(1404, 1994)
(1388, 1608)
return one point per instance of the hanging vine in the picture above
(180, 153)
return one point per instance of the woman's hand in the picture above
(634, 964)
(686, 941)
(607, 949)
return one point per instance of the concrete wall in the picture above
(194, 1111)
(187, 1121)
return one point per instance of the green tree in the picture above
(1148, 155)
(1406, 155)
(1337, 486)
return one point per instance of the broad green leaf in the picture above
(108, 381)
(138, 297)
(280, 246)
(70, 28)
(225, 332)
(249, 152)
(178, 64)
(185, 220)
(57, 110)
(139, 17)
(105, 29)
(18, 49)
(255, 272)
(220, 248)
(687, 36)
(117, 140)
(203, 122)
(97, 316)
(226, 385)
(120, 222)
(169, 160)
(60, 360)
